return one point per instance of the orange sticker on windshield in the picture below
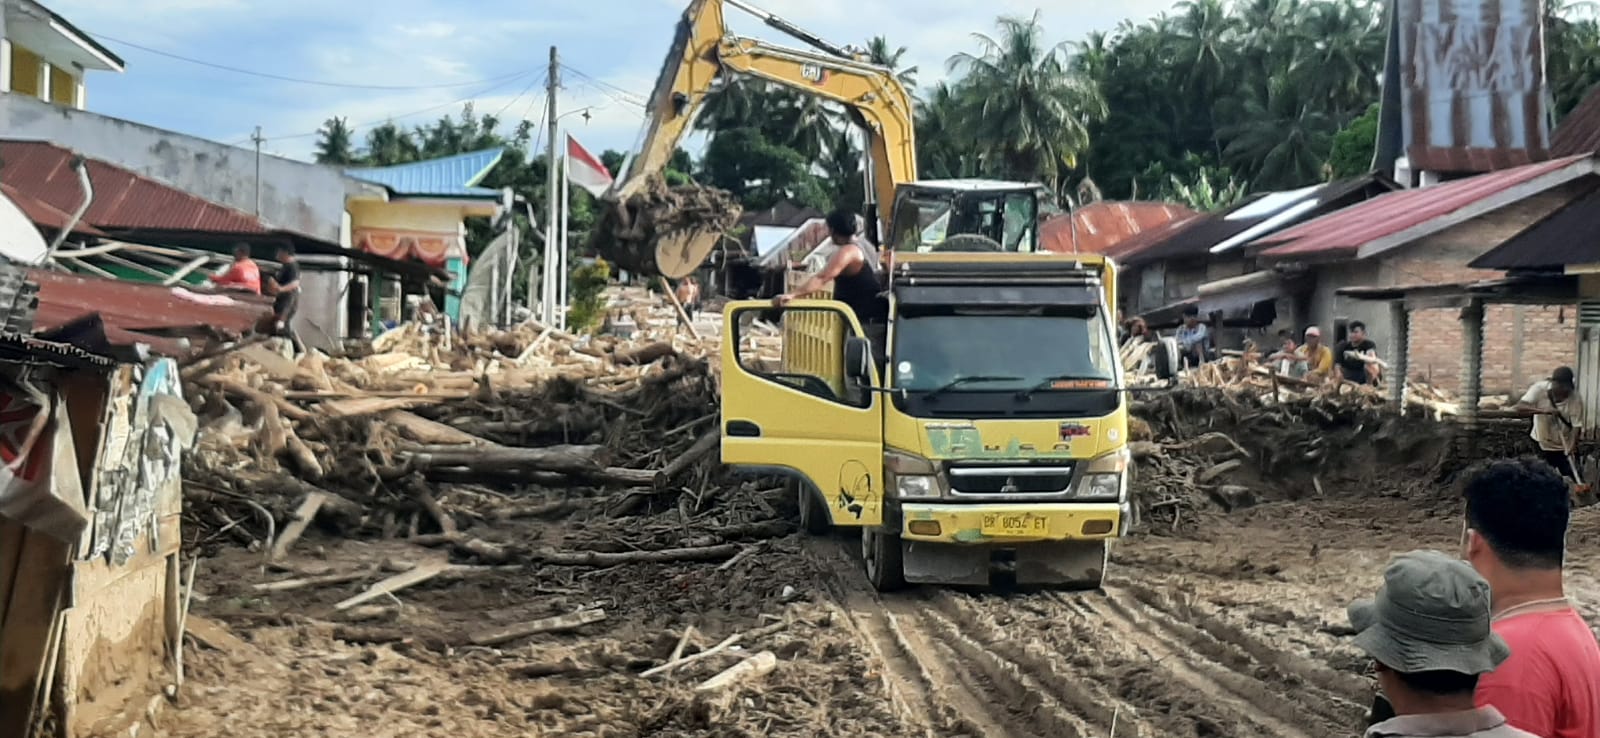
(1070, 384)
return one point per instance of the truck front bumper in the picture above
(1011, 524)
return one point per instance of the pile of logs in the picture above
(434, 431)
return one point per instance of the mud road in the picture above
(1234, 629)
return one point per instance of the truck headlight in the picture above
(1103, 476)
(916, 487)
(913, 477)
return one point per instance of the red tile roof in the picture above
(1579, 131)
(1462, 159)
(1104, 224)
(123, 200)
(1342, 234)
(130, 309)
(45, 215)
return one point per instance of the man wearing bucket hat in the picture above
(1428, 633)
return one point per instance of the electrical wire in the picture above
(633, 98)
(300, 80)
(525, 90)
(392, 118)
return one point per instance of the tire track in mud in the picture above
(1203, 664)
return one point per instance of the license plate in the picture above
(1014, 525)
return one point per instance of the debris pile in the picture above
(637, 234)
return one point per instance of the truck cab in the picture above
(992, 435)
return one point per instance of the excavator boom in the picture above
(652, 229)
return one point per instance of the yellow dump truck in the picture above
(992, 438)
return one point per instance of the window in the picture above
(801, 348)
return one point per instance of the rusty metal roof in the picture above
(1469, 80)
(123, 200)
(1565, 237)
(1579, 132)
(44, 214)
(1398, 217)
(144, 313)
(1097, 227)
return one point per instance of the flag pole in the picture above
(566, 208)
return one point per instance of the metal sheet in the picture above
(1579, 132)
(1472, 84)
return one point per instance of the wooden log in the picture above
(703, 446)
(395, 583)
(321, 580)
(1142, 450)
(646, 354)
(426, 431)
(1210, 475)
(303, 457)
(297, 527)
(718, 552)
(232, 386)
(566, 459)
(554, 624)
(359, 406)
(750, 669)
(726, 643)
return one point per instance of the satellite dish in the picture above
(19, 240)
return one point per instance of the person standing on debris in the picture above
(286, 296)
(1558, 416)
(1357, 356)
(243, 274)
(1516, 532)
(1429, 638)
(1193, 337)
(854, 273)
(688, 294)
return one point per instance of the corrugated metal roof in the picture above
(45, 215)
(451, 176)
(1408, 213)
(129, 308)
(1566, 237)
(1105, 224)
(1469, 78)
(123, 200)
(1579, 132)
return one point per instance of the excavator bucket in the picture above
(661, 230)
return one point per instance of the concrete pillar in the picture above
(80, 94)
(1471, 372)
(1400, 351)
(44, 80)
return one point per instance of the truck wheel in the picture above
(813, 516)
(880, 551)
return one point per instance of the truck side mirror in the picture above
(858, 360)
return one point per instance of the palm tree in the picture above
(879, 53)
(940, 136)
(336, 143)
(1341, 52)
(1284, 143)
(389, 144)
(1206, 35)
(1031, 112)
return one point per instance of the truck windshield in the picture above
(922, 223)
(933, 349)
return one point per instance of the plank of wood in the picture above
(554, 624)
(217, 637)
(750, 669)
(276, 365)
(297, 527)
(285, 585)
(395, 583)
(30, 620)
(358, 406)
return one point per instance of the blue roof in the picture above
(451, 176)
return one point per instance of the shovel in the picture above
(1583, 493)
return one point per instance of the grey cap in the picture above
(1432, 614)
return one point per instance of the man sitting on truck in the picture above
(853, 270)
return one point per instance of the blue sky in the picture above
(503, 44)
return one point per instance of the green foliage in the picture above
(759, 172)
(1197, 182)
(1572, 52)
(585, 286)
(335, 143)
(1353, 146)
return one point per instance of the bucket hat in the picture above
(1432, 614)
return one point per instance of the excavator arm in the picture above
(703, 51)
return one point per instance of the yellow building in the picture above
(421, 215)
(44, 56)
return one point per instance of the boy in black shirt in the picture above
(286, 296)
(1348, 355)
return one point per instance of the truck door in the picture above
(790, 405)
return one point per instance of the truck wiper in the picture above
(1046, 383)
(958, 381)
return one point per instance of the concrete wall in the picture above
(296, 196)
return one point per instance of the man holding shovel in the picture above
(1557, 412)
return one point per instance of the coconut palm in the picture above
(879, 52)
(336, 143)
(1285, 142)
(1030, 111)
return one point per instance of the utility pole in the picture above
(554, 242)
(256, 137)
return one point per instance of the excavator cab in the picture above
(965, 215)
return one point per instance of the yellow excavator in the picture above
(649, 228)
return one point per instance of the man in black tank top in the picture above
(853, 269)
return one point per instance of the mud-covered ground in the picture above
(1234, 628)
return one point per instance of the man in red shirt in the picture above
(1516, 529)
(243, 274)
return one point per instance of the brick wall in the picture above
(1521, 343)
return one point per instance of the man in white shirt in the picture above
(1557, 412)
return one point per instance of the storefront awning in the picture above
(433, 249)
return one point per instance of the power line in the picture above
(634, 97)
(299, 80)
(392, 118)
(513, 101)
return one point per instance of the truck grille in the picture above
(1010, 480)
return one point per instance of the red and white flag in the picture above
(585, 170)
